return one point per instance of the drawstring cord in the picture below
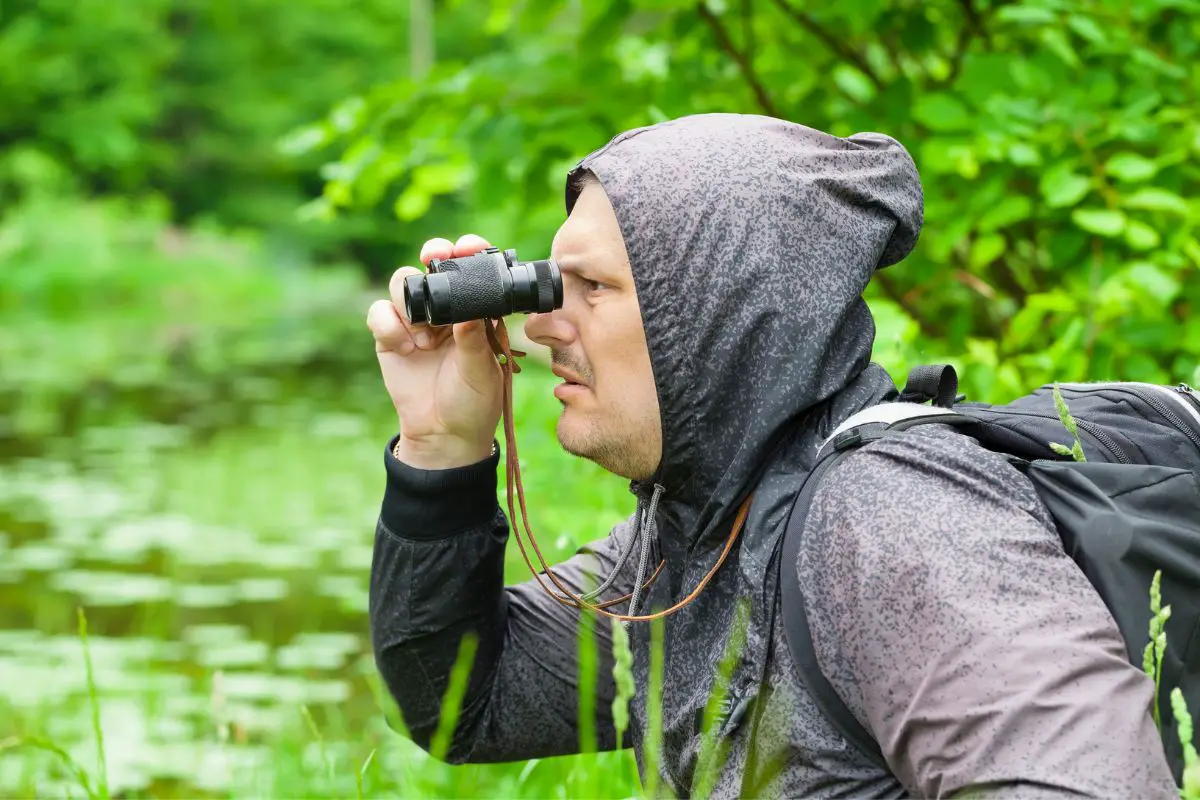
(622, 558)
(649, 532)
(498, 338)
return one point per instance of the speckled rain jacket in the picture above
(943, 608)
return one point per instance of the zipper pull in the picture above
(1185, 389)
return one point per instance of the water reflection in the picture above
(224, 576)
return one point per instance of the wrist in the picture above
(441, 453)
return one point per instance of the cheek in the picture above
(620, 346)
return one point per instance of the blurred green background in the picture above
(200, 198)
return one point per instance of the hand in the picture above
(444, 381)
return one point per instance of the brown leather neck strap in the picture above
(498, 337)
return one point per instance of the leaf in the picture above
(1062, 188)
(987, 249)
(1026, 15)
(412, 203)
(1062, 449)
(1024, 155)
(442, 177)
(1141, 236)
(1087, 28)
(1009, 211)
(1147, 58)
(1155, 199)
(1100, 221)
(1191, 248)
(348, 114)
(853, 82)
(1056, 42)
(943, 112)
(1153, 281)
(303, 140)
(1130, 167)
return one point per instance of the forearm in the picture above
(437, 574)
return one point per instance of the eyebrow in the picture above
(577, 265)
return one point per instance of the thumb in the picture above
(475, 352)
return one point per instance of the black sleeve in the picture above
(437, 574)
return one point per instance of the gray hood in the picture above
(751, 241)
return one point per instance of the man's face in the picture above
(597, 344)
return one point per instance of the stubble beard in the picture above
(598, 442)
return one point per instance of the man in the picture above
(712, 335)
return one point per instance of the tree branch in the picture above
(830, 41)
(748, 25)
(973, 20)
(741, 59)
(973, 28)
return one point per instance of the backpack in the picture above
(1131, 509)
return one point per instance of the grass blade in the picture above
(584, 771)
(452, 702)
(321, 749)
(713, 750)
(94, 702)
(362, 773)
(45, 745)
(654, 733)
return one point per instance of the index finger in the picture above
(436, 248)
(469, 244)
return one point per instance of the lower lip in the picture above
(566, 390)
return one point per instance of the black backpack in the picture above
(1131, 509)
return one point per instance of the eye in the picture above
(593, 286)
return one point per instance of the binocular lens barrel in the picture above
(487, 285)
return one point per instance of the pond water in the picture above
(223, 574)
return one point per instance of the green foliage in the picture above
(652, 742)
(1152, 660)
(190, 101)
(1152, 656)
(1068, 421)
(1057, 142)
(94, 696)
(456, 690)
(1191, 762)
(714, 749)
(127, 304)
(623, 678)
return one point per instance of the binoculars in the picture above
(487, 285)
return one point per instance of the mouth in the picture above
(570, 378)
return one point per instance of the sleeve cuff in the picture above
(434, 504)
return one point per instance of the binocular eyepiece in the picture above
(487, 285)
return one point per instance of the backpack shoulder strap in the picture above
(864, 427)
(936, 382)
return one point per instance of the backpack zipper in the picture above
(1152, 398)
(1096, 432)
(1104, 438)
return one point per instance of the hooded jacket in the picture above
(969, 645)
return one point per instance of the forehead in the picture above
(590, 238)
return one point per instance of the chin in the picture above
(571, 438)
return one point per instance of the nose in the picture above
(550, 329)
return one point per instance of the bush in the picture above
(189, 99)
(107, 298)
(1057, 142)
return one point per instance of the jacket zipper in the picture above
(1152, 395)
